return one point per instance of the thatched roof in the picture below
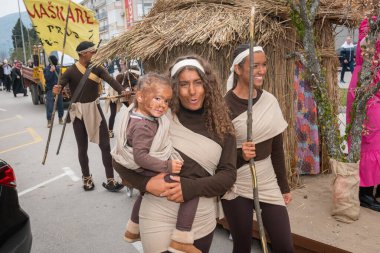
(213, 29)
(216, 23)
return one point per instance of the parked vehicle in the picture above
(34, 77)
(15, 230)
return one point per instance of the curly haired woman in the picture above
(203, 134)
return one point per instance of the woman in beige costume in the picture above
(202, 133)
(267, 127)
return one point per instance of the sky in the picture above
(11, 6)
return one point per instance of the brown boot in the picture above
(49, 123)
(132, 233)
(182, 242)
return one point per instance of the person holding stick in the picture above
(203, 135)
(51, 73)
(87, 116)
(267, 148)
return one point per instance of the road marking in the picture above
(71, 174)
(138, 247)
(3, 110)
(15, 117)
(67, 172)
(35, 136)
(13, 134)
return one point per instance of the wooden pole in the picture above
(59, 79)
(249, 133)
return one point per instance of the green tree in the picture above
(303, 15)
(30, 39)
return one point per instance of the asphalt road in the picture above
(64, 218)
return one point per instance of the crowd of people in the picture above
(11, 77)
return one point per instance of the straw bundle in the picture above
(213, 29)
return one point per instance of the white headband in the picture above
(187, 62)
(90, 49)
(239, 58)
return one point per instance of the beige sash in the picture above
(161, 148)
(268, 122)
(89, 113)
(158, 216)
(201, 149)
(92, 76)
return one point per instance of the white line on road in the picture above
(68, 172)
(71, 174)
(3, 110)
(15, 117)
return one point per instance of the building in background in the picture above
(116, 16)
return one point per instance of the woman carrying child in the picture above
(202, 133)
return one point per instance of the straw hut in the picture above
(213, 28)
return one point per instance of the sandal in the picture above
(88, 184)
(112, 185)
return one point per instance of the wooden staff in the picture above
(59, 79)
(249, 133)
(117, 96)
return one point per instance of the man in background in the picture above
(347, 57)
(17, 81)
(51, 73)
(7, 75)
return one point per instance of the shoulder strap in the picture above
(79, 89)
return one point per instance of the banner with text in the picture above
(49, 19)
(129, 13)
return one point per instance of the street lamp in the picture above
(22, 32)
(30, 48)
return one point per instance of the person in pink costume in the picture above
(369, 166)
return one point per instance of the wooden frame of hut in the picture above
(213, 29)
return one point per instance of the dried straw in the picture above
(213, 28)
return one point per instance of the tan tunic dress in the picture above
(268, 122)
(158, 216)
